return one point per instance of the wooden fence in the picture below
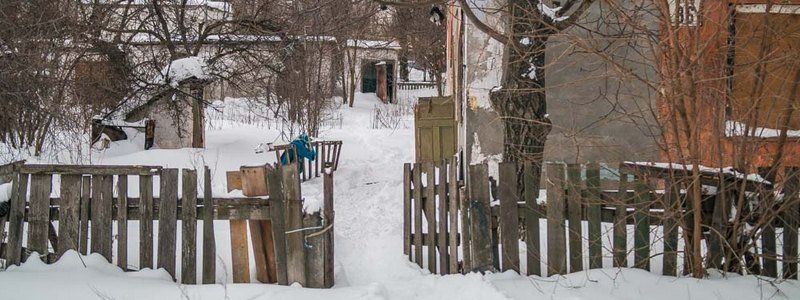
(451, 226)
(328, 153)
(420, 85)
(88, 207)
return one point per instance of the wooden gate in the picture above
(435, 129)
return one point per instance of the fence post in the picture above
(145, 220)
(329, 214)
(39, 213)
(668, 219)
(189, 228)
(509, 216)
(296, 258)
(791, 221)
(441, 238)
(556, 240)
(621, 221)
(532, 215)
(167, 220)
(122, 221)
(452, 186)
(574, 213)
(642, 223)
(278, 213)
(480, 218)
(593, 215)
(69, 213)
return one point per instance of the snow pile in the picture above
(5, 191)
(185, 68)
(738, 129)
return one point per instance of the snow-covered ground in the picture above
(369, 259)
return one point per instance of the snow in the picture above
(703, 169)
(552, 13)
(478, 157)
(185, 68)
(5, 191)
(737, 129)
(369, 262)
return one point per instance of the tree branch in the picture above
(494, 34)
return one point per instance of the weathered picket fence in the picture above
(415, 85)
(93, 198)
(457, 227)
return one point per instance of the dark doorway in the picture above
(369, 77)
(390, 82)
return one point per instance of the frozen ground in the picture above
(369, 259)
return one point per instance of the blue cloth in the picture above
(304, 151)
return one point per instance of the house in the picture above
(749, 81)
(584, 128)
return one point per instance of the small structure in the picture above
(372, 67)
(178, 108)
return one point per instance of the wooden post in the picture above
(328, 214)
(122, 222)
(791, 220)
(717, 236)
(556, 240)
(277, 211)
(532, 215)
(620, 221)
(480, 219)
(39, 213)
(69, 213)
(593, 215)
(17, 218)
(417, 181)
(430, 215)
(101, 210)
(670, 257)
(189, 228)
(145, 221)
(209, 242)
(452, 186)
(509, 216)
(642, 223)
(406, 209)
(168, 220)
(441, 239)
(575, 212)
(296, 258)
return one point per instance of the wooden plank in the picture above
(234, 180)
(641, 229)
(275, 182)
(791, 220)
(39, 212)
(295, 248)
(453, 204)
(480, 219)
(329, 214)
(101, 213)
(168, 221)
(69, 214)
(145, 225)
(509, 216)
(407, 210)
(593, 203)
(574, 213)
(122, 222)
(417, 182)
(315, 256)
(189, 228)
(259, 252)
(254, 183)
(620, 220)
(209, 241)
(556, 239)
(240, 258)
(102, 170)
(441, 242)
(769, 255)
(86, 205)
(466, 225)
(670, 257)
(430, 213)
(532, 216)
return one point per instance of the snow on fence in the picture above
(469, 231)
(87, 208)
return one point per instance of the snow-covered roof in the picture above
(738, 129)
(185, 68)
(373, 44)
(730, 171)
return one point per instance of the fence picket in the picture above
(101, 210)
(466, 235)
(69, 213)
(407, 210)
(16, 219)
(509, 216)
(122, 222)
(444, 257)
(621, 221)
(86, 205)
(642, 223)
(168, 220)
(532, 215)
(791, 222)
(209, 242)
(189, 228)
(574, 213)
(39, 212)
(452, 186)
(556, 240)
(593, 215)
(277, 211)
(417, 181)
(295, 253)
(430, 214)
(146, 221)
(480, 219)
